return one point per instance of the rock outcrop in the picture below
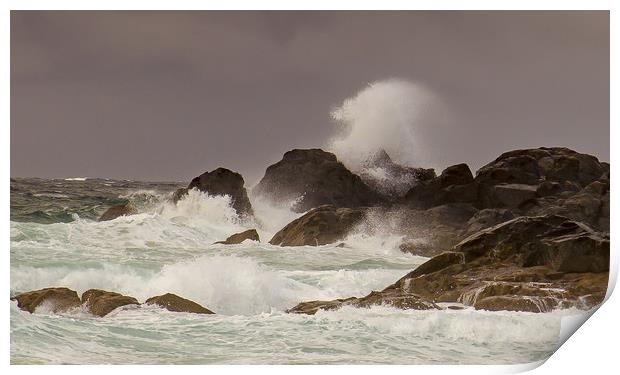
(532, 264)
(525, 182)
(454, 185)
(250, 234)
(101, 303)
(172, 302)
(389, 298)
(220, 181)
(322, 225)
(57, 300)
(118, 210)
(390, 179)
(313, 178)
(429, 232)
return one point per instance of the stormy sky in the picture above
(168, 95)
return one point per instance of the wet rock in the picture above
(222, 181)
(312, 307)
(432, 231)
(512, 195)
(487, 218)
(119, 210)
(313, 178)
(509, 303)
(389, 179)
(179, 194)
(454, 185)
(552, 170)
(398, 300)
(58, 300)
(250, 234)
(322, 225)
(101, 303)
(172, 302)
(532, 264)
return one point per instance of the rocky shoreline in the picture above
(528, 232)
(99, 302)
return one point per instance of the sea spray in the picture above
(385, 115)
(169, 248)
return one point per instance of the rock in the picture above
(512, 195)
(430, 232)
(222, 181)
(101, 303)
(541, 167)
(322, 225)
(172, 302)
(589, 205)
(250, 234)
(57, 299)
(312, 307)
(532, 264)
(454, 185)
(398, 300)
(119, 210)
(509, 303)
(390, 179)
(178, 194)
(313, 178)
(487, 218)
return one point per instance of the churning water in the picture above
(56, 241)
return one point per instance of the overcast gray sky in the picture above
(169, 95)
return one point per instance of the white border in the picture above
(591, 350)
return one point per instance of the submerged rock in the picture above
(58, 300)
(101, 303)
(313, 178)
(124, 209)
(250, 234)
(525, 264)
(322, 225)
(172, 302)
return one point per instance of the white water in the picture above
(394, 115)
(170, 248)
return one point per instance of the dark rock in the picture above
(178, 194)
(454, 185)
(314, 177)
(322, 225)
(430, 232)
(101, 303)
(237, 238)
(58, 299)
(539, 167)
(487, 218)
(512, 195)
(390, 179)
(525, 264)
(398, 300)
(222, 181)
(510, 303)
(172, 302)
(119, 210)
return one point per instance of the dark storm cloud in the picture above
(168, 95)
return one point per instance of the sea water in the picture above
(56, 241)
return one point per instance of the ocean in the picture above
(57, 241)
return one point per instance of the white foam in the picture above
(384, 115)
